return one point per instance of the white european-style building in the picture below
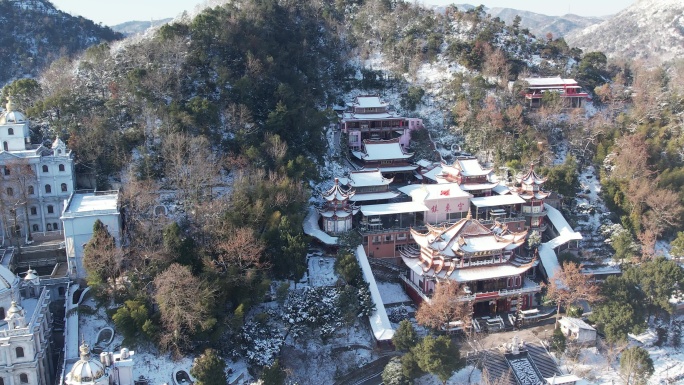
(25, 330)
(36, 180)
(79, 216)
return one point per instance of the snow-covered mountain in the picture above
(134, 27)
(34, 33)
(649, 29)
(540, 24)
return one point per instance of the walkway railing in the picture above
(415, 288)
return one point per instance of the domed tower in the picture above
(337, 211)
(59, 148)
(31, 283)
(531, 190)
(87, 370)
(16, 317)
(14, 129)
(9, 290)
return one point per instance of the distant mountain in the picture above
(540, 25)
(648, 29)
(34, 33)
(135, 27)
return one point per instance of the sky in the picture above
(112, 12)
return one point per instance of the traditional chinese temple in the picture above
(337, 211)
(488, 262)
(530, 188)
(388, 156)
(368, 117)
(369, 186)
(569, 91)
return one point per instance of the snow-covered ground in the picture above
(321, 271)
(597, 369)
(149, 363)
(591, 214)
(392, 293)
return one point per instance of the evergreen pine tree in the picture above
(209, 369)
(405, 337)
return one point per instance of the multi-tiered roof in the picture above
(531, 185)
(337, 203)
(469, 251)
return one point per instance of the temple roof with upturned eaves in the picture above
(378, 150)
(531, 177)
(337, 193)
(365, 178)
(468, 236)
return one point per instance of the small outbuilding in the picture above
(577, 330)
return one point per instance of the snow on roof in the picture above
(471, 167)
(468, 274)
(478, 186)
(481, 243)
(422, 192)
(369, 101)
(311, 228)
(381, 150)
(575, 323)
(93, 203)
(550, 81)
(497, 200)
(367, 177)
(374, 196)
(398, 168)
(549, 260)
(393, 208)
(432, 175)
(374, 116)
(501, 189)
(564, 379)
(566, 233)
(380, 323)
(424, 163)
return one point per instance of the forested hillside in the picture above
(34, 34)
(222, 117)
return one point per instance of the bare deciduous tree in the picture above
(185, 303)
(569, 285)
(445, 307)
(240, 249)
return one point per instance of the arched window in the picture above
(5, 146)
(55, 227)
(59, 152)
(2, 312)
(35, 228)
(20, 354)
(61, 292)
(64, 187)
(23, 378)
(45, 168)
(50, 209)
(10, 131)
(48, 189)
(31, 191)
(61, 167)
(34, 210)
(49, 227)
(10, 191)
(2, 381)
(7, 170)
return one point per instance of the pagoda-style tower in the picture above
(337, 211)
(531, 190)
